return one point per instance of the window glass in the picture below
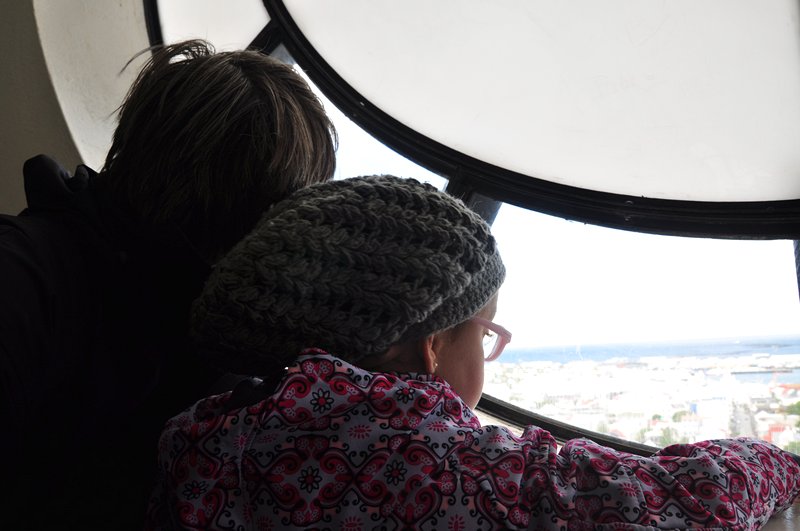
(683, 99)
(360, 153)
(229, 25)
(657, 339)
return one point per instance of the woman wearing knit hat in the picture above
(364, 309)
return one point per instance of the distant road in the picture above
(743, 421)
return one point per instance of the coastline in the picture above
(666, 393)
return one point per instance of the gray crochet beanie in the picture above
(351, 266)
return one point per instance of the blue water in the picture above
(774, 346)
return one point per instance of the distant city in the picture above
(661, 393)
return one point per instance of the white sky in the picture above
(573, 283)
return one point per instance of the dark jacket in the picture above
(94, 354)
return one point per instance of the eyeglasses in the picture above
(495, 338)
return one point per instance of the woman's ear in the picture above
(429, 354)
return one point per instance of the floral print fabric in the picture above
(337, 447)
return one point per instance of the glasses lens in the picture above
(489, 342)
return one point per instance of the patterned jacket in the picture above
(337, 447)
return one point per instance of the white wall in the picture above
(61, 82)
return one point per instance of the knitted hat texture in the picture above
(351, 266)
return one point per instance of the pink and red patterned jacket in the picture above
(337, 447)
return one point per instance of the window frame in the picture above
(707, 219)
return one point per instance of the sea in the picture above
(729, 347)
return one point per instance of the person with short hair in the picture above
(206, 141)
(99, 271)
(363, 309)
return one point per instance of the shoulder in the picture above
(35, 250)
(45, 283)
(31, 249)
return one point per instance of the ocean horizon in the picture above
(727, 347)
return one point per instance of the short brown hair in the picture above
(209, 140)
